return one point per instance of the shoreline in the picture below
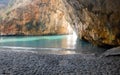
(57, 51)
(33, 63)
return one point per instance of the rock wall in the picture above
(97, 21)
(35, 17)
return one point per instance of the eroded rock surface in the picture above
(35, 17)
(97, 21)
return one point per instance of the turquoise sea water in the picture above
(48, 43)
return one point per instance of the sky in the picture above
(5, 2)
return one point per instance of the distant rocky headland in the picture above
(97, 21)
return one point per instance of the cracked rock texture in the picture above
(97, 21)
(35, 17)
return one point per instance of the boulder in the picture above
(111, 52)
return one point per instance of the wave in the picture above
(31, 48)
(57, 51)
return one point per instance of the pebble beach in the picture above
(34, 63)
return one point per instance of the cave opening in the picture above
(69, 42)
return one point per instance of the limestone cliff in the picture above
(97, 21)
(35, 17)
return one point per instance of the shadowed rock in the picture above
(97, 21)
(112, 52)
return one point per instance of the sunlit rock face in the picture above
(35, 17)
(97, 21)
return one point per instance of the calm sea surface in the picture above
(62, 44)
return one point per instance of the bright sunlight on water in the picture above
(60, 42)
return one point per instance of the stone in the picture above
(111, 52)
(97, 21)
(35, 17)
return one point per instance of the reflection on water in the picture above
(64, 44)
(64, 41)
